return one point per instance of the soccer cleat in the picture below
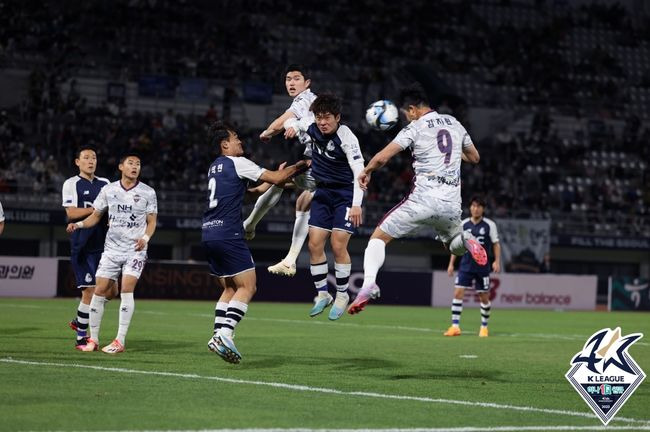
(452, 331)
(322, 300)
(91, 345)
(81, 343)
(475, 249)
(224, 347)
(74, 324)
(483, 332)
(365, 295)
(282, 269)
(114, 347)
(340, 303)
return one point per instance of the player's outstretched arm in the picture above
(152, 219)
(89, 222)
(276, 126)
(378, 161)
(470, 154)
(282, 175)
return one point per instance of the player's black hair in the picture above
(414, 95)
(84, 147)
(326, 103)
(478, 199)
(296, 67)
(130, 153)
(219, 131)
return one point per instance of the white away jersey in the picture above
(300, 108)
(436, 142)
(127, 214)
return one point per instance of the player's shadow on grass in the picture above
(160, 345)
(357, 364)
(20, 330)
(487, 375)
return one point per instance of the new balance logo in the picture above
(124, 309)
(93, 310)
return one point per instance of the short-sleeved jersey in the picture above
(486, 234)
(436, 142)
(127, 214)
(334, 154)
(228, 179)
(81, 193)
(2, 214)
(300, 108)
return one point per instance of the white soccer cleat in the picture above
(114, 347)
(365, 295)
(282, 269)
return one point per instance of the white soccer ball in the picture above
(382, 115)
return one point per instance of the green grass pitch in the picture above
(389, 367)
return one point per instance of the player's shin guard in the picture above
(485, 313)
(127, 307)
(373, 260)
(96, 315)
(263, 204)
(319, 276)
(235, 313)
(83, 314)
(456, 310)
(220, 310)
(300, 232)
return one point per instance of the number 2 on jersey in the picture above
(212, 185)
(444, 144)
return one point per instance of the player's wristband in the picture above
(146, 238)
(79, 224)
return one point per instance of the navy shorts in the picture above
(465, 279)
(330, 207)
(84, 266)
(228, 257)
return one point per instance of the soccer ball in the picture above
(382, 115)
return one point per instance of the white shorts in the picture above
(305, 181)
(416, 212)
(112, 265)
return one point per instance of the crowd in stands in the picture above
(541, 57)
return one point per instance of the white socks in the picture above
(263, 204)
(457, 246)
(96, 314)
(300, 232)
(373, 259)
(235, 313)
(127, 306)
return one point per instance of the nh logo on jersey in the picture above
(604, 373)
(124, 208)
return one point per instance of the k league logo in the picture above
(604, 373)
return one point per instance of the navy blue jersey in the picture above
(487, 235)
(228, 179)
(80, 192)
(333, 155)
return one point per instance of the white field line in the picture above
(574, 337)
(304, 388)
(455, 429)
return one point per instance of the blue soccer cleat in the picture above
(323, 300)
(340, 303)
(224, 347)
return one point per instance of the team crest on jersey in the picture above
(481, 231)
(136, 198)
(604, 373)
(330, 146)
